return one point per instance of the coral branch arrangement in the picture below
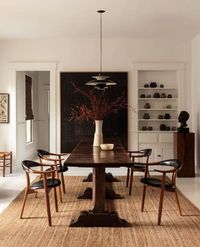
(99, 105)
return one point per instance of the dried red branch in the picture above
(99, 106)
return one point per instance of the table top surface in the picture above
(85, 155)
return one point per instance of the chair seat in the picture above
(157, 183)
(62, 168)
(139, 166)
(50, 184)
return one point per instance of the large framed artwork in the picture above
(4, 107)
(74, 129)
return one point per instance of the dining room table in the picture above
(86, 155)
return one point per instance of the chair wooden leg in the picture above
(60, 193)
(4, 168)
(55, 199)
(177, 200)
(11, 164)
(63, 182)
(143, 197)
(127, 177)
(23, 205)
(48, 205)
(131, 181)
(161, 199)
(59, 188)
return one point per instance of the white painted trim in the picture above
(133, 96)
(178, 67)
(35, 66)
(58, 130)
(32, 66)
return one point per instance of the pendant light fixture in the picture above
(100, 81)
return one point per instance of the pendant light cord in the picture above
(101, 42)
(101, 82)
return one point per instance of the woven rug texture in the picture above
(33, 229)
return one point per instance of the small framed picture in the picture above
(4, 107)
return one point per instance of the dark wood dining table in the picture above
(85, 155)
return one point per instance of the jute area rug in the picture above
(33, 230)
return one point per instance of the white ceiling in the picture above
(78, 18)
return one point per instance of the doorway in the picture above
(34, 133)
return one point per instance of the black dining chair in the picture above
(44, 184)
(164, 168)
(141, 154)
(57, 159)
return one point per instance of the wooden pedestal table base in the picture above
(109, 194)
(91, 218)
(98, 216)
(85, 155)
(109, 178)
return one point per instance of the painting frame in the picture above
(4, 108)
(72, 131)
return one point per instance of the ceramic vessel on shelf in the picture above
(156, 95)
(147, 105)
(146, 115)
(153, 84)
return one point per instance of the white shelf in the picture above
(166, 99)
(158, 120)
(157, 138)
(157, 109)
(156, 131)
(157, 88)
(171, 76)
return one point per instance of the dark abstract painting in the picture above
(72, 131)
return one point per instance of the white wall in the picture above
(196, 95)
(20, 125)
(83, 55)
(43, 109)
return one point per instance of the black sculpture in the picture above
(182, 118)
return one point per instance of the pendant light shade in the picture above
(101, 81)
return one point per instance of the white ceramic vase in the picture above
(98, 135)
